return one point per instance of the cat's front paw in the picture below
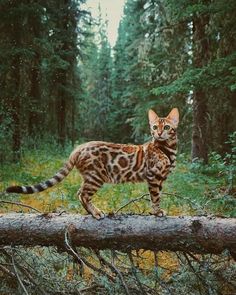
(98, 214)
(159, 212)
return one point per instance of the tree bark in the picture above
(15, 83)
(34, 24)
(200, 59)
(123, 232)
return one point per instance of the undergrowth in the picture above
(192, 189)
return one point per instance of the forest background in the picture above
(61, 84)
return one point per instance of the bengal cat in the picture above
(102, 162)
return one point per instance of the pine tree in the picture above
(200, 59)
(150, 61)
(64, 37)
(39, 76)
(97, 67)
(132, 85)
(120, 112)
(208, 76)
(16, 57)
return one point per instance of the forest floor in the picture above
(191, 189)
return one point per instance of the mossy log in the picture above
(197, 234)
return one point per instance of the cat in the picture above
(103, 162)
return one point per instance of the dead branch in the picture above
(20, 204)
(83, 261)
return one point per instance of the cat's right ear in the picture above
(152, 116)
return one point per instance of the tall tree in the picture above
(131, 87)
(97, 68)
(13, 73)
(39, 75)
(64, 35)
(35, 26)
(120, 111)
(103, 84)
(201, 55)
(208, 76)
(154, 54)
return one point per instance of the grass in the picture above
(191, 189)
(187, 191)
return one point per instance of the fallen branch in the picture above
(20, 204)
(18, 276)
(133, 201)
(83, 261)
(197, 234)
(134, 271)
(114, 270)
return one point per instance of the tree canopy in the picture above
(61, 80)
(62, 84)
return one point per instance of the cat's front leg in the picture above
(155, 189)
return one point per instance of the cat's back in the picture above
(113, 157)
(93, 149)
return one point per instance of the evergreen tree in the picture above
(39, 76)
(132, 86)
(89, 62)
(103, 84)
(150, 60)
(17, 57)
(200, 59)
(209, 74)
(63, 66)
(97, 68)
(120, 111)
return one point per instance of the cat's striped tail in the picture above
(31, 189)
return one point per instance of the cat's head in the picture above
(163, 129)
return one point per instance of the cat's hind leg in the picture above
(86, 192)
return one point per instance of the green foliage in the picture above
(223, 166)
(206, 77)
(95, 107)
(200, 276)
(191, 189)
(61, 82)
(40, 83)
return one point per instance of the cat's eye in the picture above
(154, 127)
(167, 127)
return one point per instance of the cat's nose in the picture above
(159, 133)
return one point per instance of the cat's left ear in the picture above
(174, 116)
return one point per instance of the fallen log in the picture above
(197, 234)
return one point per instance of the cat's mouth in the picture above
(159, 138)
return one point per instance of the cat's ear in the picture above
(174, 116)
(152, 116)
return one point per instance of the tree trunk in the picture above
(122, 232)
(200, 59)
(62, 74)
(16, 110)
(16, 97)
(61, 109)
(33, 123)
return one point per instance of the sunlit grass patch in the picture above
(111, 197)
(185, 192)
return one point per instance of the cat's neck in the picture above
(168, 147)
(171, 143)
